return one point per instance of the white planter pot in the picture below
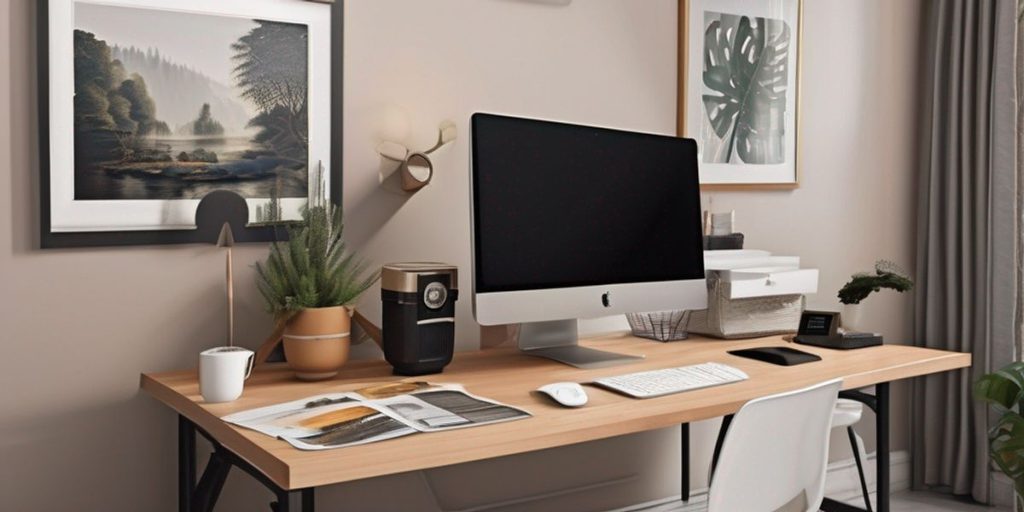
(852, 317)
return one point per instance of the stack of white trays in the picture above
(752, 293)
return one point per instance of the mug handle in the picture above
(248, 371)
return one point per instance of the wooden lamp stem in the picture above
(227, 240)
(371, 330)
(272, 341)
(231, 301)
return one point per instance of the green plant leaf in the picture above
(1003, 387)
(887, 275)
(1004, 390)
(1006, 446)
(746, 65)
(312, 268)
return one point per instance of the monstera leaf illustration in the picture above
(745, 78)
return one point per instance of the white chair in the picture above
(846, 414)
(775, 453)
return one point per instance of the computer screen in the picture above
(558, 205)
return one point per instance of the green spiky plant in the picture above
(887, 275)
(1004, 391)
(313, 268)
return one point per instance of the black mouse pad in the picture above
(782, 356)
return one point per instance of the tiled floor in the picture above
(914, 501)
(905, 501)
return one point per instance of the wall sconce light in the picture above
(415, 166)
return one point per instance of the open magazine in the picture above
(374, 413)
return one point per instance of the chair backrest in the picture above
(775, 453)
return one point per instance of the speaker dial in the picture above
(435, 295)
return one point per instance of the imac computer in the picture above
(574, 222)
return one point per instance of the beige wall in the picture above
(855, 203)
(78, 325)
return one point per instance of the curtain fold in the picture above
(966, 297)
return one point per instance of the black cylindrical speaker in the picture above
(419, 316)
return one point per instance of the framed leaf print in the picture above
(739, 90)
(148, 106)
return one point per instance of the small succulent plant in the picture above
(887, 275)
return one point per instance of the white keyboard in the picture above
(672, 380)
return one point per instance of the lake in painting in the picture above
(172, 105)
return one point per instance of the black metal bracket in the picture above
(867, 399)
(722, 429)
(202, 496)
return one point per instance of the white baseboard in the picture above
(841, 484)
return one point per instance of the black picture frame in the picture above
(49, 239)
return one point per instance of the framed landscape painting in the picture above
(739, 90)
(147, 106)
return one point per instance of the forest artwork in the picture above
(745, 77)
(172, 105)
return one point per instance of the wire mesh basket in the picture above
(659, 325)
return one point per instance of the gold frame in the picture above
(683, 60)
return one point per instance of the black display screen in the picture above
(558, 205)
(818, 323)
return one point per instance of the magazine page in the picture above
(349, 425)
(278, 420)
(391, 389)
(322, 422)
(447, 407)
(373, 413)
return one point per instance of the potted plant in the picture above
(887, 275)
(1004, 391)
(309, 283)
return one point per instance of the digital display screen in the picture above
(558, 205)
(817, 323)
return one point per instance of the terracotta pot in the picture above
(317, 341)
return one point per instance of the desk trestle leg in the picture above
(186, 463)
(879, 403)
(684, 444)
(202, 496)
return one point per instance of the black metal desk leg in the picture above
(684, 444)
(207, 491)
(882, 448)
(202, 496)
(308, 500)
(283, 504)
(879, 403)
(186, 463)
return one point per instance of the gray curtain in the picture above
(968, 231)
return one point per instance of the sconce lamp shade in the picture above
(417, 172)
(416, 167)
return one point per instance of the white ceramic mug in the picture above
(222, 372)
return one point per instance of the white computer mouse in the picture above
(569, 394)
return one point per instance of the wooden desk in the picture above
(504, 374)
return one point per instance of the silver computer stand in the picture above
(558, 340)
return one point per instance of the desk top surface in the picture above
(506, 375)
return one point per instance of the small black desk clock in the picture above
(819, 323)
(821, 329)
